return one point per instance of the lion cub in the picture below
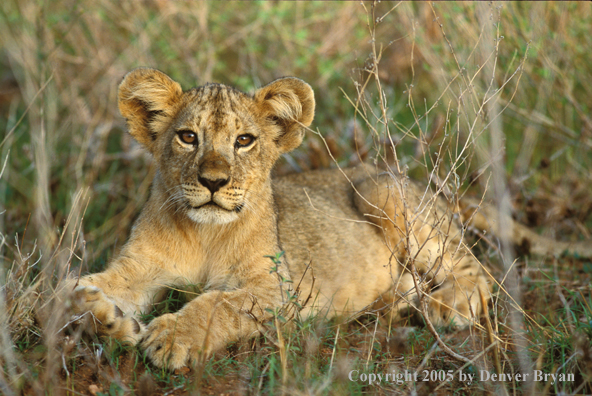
(350, 237)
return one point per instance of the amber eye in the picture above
(188, 137)
(244, 140)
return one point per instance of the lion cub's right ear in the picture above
(147, 98)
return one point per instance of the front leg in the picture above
(109, 303)
(211, 321)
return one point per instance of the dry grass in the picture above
(475, 98)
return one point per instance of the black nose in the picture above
(213, 185)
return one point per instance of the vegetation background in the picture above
(493, 98)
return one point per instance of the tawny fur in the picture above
(359, 233)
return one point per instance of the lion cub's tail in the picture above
(485, 217)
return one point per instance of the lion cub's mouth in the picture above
(212, 212)
(213, 204)
(209, 204)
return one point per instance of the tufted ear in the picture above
(289, 103)
(147, 98)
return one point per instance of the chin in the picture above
(212, 215)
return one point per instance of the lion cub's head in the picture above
(215, 146)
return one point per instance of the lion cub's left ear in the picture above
(289, 102)
(148, 99)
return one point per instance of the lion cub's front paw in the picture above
(171, 343)
(106, 318)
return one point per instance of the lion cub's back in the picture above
(318, 222)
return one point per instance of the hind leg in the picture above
(422, 234)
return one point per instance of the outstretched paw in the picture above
(106, 318)
(169, 341)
